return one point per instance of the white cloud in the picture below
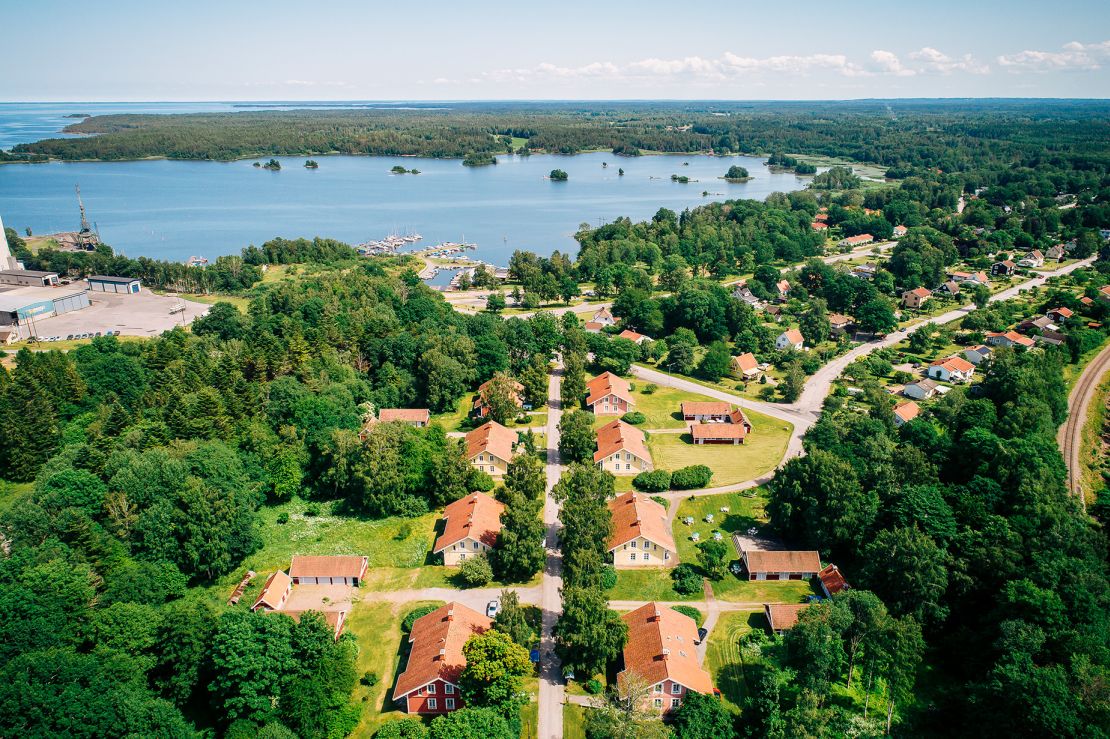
(932, 60)
(1074, 56)
(313, 83)
(887, 62)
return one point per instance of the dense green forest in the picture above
(905, 135)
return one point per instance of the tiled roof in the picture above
(516, 392)
(921, 292)
(322, 566)
(661, 647)
(833, 581)
(861, 239)
(745, 361)
(273, 590)
(954, 364)
(476, 516)
(631, 335)
(717, 431)
(618, 436)
(706, 408)
(608, 384)
(783, 615)
(793, 335)
(491, 437)
(839, 319)
(907, 411)
(635, 514)
(437, 641)
(409, 415)
(760, 560)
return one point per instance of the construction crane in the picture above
(86, 238)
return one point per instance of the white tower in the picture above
(7, 261)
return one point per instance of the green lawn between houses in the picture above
(661, 407)
(722, 654)
(574, 721)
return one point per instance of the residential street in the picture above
(552, 690)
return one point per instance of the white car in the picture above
(492, 608)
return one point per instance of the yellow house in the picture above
(490, 448)
(471, 526)
(621, 449)
(641, 537)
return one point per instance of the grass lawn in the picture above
(238, 301)
(574, 721)
(530, 720)
(745, 511)
(722, 654)
(10, 491)
(661, 408)
(750, 389)
(648, 584)
(65, 345)
(1091, 459)
(761, 452)
(458, 419)
(736, 590)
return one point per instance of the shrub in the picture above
(690, 611)
(283, 518)
(608, 577)
(406, 728)
(369, 679)
(404, 531)
(650, 389)
(593, 686)
(687, 580)
(634, 417)
(690, 478)
(413, 615)
(476, 571)
(312, 509)
(656, 481)
(661, 501)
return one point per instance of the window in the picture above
(475, 545)
(633, 543)
(432, 689)
(632, 556)
(628, 466)
(646, 556)
(462, 556)
(449, 689)
(627, 455)
(432, 704)
(657, 688)
(658, 702)
(666, 555)
(675, 702)
(449, 703)
(676, 688)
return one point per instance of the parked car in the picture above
(568, 675)
(492, 608)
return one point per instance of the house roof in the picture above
(907, 411)
(818, 226)
(1065, 312)
(322, 566)
(113, 280)
(952, 287)
(437, 641)
(861, 239)
(273, 590)
(602, 313)
(609, 384)
(409, 415)
(1008, 263)
(661, 646)
(1105, 290)
(737, 416)
(631, 335)
(783, 286)
(491, 437)
(594, 326)
(334, 619)
(618, 436)
(926, 384)
(1085, 300)
(635, 514)
(718, 431)
(831, 578)
(980, 349)
(783, 616)
(706, 408)
(759, 560)
(921, 292)
(517, 388)
(476, 516)
(954, 364)
(745, 361)
(1013, 336)
(839, 319)
(793, 335)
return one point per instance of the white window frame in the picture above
(449, 689)
(449, 704)
(433, 704)
(676, 689)
(431, 689)
(675, 702)
(632, 557)
(658, 703)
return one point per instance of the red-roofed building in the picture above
(641, 536)
(832, 581)
(857, 240)
(609, 395)
(790, 339)
(782, 617)
(915, 298)
(662, 651)
(633, 336)
(430, 682)
(905, 412)
(1060, 315)
(952, 369)
(471, 526)
(621, 449)
(323, 570)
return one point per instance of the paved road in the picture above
(1070, 436)
(476, 598)
(552, 691)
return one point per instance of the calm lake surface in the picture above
(174, 209)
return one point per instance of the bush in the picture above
(404, 531)
(634, 417)
(283, 518)
(690, 611)
(690, 478)
(650, 389)
(593, 686)
(656, 481)
(406, 728)
(687, 580)
(369, 679)
(312, 509)
(661, 501)
(476, 571)
(413, 615)
(608, 577)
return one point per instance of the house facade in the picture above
(951, 369)
(490, 448)
(921, 390)
(641, 536)
(779, 565)
(1005, 268)
(745, 365)
(322, 570)
(430, 682)
(662, 652)
(609, 395)
(915, 298)
(471, 527)
(790, 339)
(857, 240)
(621, 449)
(711, 411)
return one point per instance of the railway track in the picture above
(1070, 437)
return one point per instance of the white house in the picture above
(790, 339)
(951, 369)
(921, 390)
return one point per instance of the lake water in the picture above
(175, 209)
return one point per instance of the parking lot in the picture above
(143, 314)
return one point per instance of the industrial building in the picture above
(105, 284)
(28, 278)
(24, 305)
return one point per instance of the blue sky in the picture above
(428, 49)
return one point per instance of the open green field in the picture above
(761, 452)
(574, 721)
(723, 658)
(745, 512)
(749, 389)
(65, 345)
(648, 584)
(238, 301)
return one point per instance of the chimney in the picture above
(450, 614)
(666, 653)
(658, 614)
(442, 654)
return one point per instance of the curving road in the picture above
(1070, 436)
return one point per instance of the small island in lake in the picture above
(737, 173)
(311, 164)
(558, 175)
(479, 159)
(78, 115)
(782, 162)
(681, 179)
(401, 170)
